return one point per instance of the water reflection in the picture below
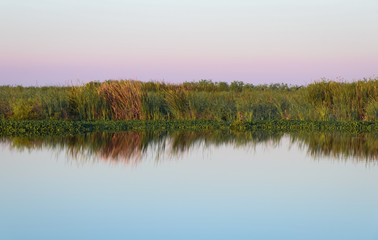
(130, 147)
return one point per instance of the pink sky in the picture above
(55, 43)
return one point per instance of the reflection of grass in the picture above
(338, 145)
(129, 147)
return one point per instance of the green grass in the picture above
(63, 128)
(204, 100)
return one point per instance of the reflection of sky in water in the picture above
(213, 192)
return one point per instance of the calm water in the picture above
(183, 185)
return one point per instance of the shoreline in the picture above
(9, 128)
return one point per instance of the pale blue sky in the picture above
(55, 42)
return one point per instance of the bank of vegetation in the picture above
(205, 100)
(69, 128)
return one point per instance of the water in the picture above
(212, 185)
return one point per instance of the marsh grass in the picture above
(203, 100)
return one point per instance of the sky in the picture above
(51, 42)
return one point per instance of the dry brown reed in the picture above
(124, 97)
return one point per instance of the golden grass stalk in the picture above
(124, 97)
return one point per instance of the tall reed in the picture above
(124, 98)
(132, 100)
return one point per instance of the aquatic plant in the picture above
(134, 100)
